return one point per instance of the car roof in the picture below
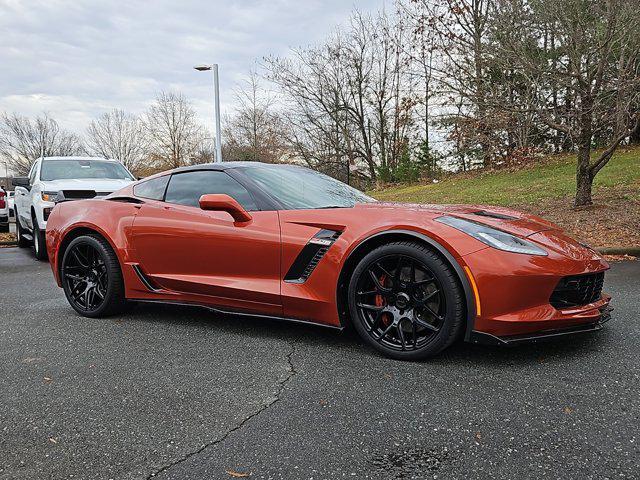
(79, 158)
(230, 166)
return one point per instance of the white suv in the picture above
(52, 179)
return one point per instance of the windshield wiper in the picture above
(333, 206)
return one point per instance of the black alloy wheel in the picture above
(91, 277)
(405, 301)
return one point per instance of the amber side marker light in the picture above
(475, 290)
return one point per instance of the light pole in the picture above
(216, 104)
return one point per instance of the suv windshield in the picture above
(64, 169)
(300, 188)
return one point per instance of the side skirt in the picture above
(240, 314)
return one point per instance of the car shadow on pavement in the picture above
(569, 349)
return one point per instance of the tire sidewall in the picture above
(443, 274)
(21, 241)
(111, 275)
(39, 242)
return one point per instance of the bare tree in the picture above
(118, 135)
(23, 140)
(460, 31)
(173, 130)
(254, 131)
(594, 60)
(350, 101)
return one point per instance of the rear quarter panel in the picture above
(111, 219)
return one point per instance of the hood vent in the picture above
(500, 216)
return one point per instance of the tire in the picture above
(22, 242)
(106, 263)
(405, 301)
(39, 242)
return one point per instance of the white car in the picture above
(53, 179)
(4, 210)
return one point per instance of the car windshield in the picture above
(64, 169)
(300, 188)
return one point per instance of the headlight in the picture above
(49, 196)
(493, 237)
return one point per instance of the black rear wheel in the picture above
(91, 277)
(405, 301)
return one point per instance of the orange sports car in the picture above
(286, 242)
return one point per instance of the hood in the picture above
(505, 219)
(100, 185)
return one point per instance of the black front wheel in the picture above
(405, 301)
(91, 277)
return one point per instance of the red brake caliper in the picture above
(380, 302)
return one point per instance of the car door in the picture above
(22, 200)
(185, 249)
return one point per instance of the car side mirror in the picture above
(20, 182)
(224, 203)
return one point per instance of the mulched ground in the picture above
(613, 220)
(7, 237)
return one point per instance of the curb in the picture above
(8, 244)
(633, 251)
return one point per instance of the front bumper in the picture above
(482, 338)
(514, 292)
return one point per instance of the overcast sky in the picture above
(76, 59)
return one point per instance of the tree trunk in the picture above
(635, 137)
(584, 179)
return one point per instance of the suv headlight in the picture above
(493, 237)
(49, 196)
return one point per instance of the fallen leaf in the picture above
(235, 474)
(31, 359)
(53, 440)
(568, 410)
(47, 379)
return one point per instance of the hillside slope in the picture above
(547, 188)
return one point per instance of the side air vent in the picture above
(146, 281)
(310, 255)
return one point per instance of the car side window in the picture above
(187, 188)
(153, 189)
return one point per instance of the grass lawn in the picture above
(547, 188)
(554, 177)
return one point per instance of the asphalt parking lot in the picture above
(178, 392)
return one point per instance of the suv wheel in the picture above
(39, 242)
(22, 241)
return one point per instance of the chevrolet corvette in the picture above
(286, 242)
